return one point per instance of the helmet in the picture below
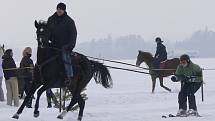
(185, 57)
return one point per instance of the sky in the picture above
(172, 20)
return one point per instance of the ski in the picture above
(172, 115)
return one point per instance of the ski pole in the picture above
(202, 92)
(60, 101)
(202, 89)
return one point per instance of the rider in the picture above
(63, 36)
(190, 75)
(161, 54)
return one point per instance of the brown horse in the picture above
(167, 68)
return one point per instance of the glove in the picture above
(174, 79)
(184, 78)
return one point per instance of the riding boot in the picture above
(49, 105)
(69, 81)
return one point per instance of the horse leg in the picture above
(71, 104)
(153, 83)
(39, 93)
(29, 95)
(162, 85)
(81, 103)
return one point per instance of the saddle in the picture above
(162, 64)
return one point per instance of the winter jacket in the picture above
(161, 52)
(191, 73)
(63, 31)
(8, 63)
(26, 62)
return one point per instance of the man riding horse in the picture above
(160, 55)
(63, 36)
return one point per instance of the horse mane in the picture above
(147, 55)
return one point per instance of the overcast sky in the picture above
(171, 19)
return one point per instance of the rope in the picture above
(118, 62)
(8, 69)
(208, 69)
(129, 64)
(139, 66)
(126, 69)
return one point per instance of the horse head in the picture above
(43, 34)
(144, 57)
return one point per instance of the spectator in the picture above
(10, 75)
(26, 66)
(1, 77)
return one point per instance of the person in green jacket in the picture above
(190, 75)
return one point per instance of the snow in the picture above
(129, 100)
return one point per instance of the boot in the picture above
(192, 112)
(49, 105)
(69, 81)
(181, 113)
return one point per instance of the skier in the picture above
(190, 75)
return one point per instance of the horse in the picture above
(167, 68)
(49, 73)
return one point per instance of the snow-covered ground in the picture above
(129, 100)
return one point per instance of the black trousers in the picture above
(27, 88)
(188, 90)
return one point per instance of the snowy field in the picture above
(129, 100)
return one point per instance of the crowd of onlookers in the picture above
(18, 80)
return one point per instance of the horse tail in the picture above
(101, 74)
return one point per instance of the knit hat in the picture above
(185, 57)
(158, 39)
(61, 6)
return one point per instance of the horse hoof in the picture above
(36, 114)
(60, 117)
(62, 114)
(79, 118)
(15, 116)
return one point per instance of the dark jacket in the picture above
(63, 31)
(26, 62)
(8, 63)
(161, 51)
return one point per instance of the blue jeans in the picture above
(68, 64)
(157, 61)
